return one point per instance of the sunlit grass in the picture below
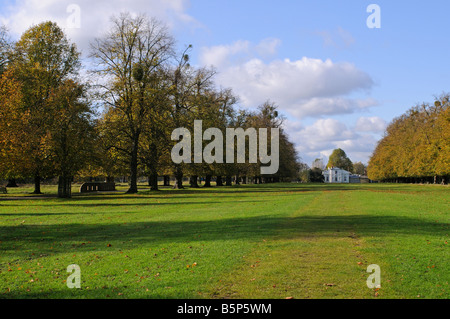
(253, 241)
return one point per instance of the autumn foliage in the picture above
(55, 124)
(416, 146)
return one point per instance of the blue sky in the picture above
(338, 82)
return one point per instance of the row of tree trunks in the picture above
(443, 180)
(64, 186)
(65, 183)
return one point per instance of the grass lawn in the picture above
(256, 241)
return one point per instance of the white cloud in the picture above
(305, 87)
(319, 139)
(317, 107)
(268, 47)
(239, 52)
(94, 15)
(371, 124)
(298, 86)
(224, 55)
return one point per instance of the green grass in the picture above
(255, 241)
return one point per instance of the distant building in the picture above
(336, 175)
(355, 179)
(358, 179)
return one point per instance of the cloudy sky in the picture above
(337, 81)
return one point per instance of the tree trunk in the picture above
(179, 178)
(237, 180)
(219, 181)
(228, 181)
(166, 180)
(153, 182)
(153, 167)
(244, 180)
(207, 181)
(194, 181)
(37, 184)
(65, 187)
(133, 169)
(12, 183)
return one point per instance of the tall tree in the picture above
(186, 84)
(41, 61)
(128, 57)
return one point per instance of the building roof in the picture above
(336, 169)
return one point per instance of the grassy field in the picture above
(256, 241)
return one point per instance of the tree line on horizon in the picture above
(416, 146)
(118, 120)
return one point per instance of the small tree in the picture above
(359, 168)
(71, 134)
(316, 176)
(339, 159)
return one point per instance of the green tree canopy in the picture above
(339, 159)
(359, 168)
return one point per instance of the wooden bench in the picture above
(97, 187)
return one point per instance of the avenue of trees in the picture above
(54, 123)
(416, 146)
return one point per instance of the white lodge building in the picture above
(336, 175)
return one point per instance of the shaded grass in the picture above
(264, 241)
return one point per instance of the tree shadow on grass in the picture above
(201, 193)
(251, 229)
(110, 238)
(111, 292)
(112, 205)
(223, 191)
